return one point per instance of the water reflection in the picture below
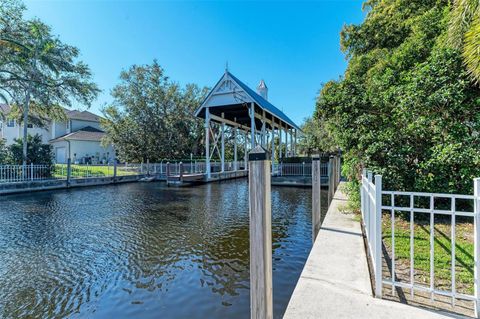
(143, 251)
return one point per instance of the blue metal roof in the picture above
(264, 103)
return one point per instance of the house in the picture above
(78, 138)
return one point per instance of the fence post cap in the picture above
(316, 157)
(258, 154)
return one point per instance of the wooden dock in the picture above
(201, 178)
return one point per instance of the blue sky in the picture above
(293, 46)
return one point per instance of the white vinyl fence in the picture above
(297, 169)
(20, 173)
(372, 208)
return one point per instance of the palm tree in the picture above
(464, 34)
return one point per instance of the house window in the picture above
(11, 123)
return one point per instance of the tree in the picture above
(37, 152)
(39, 72)
(405, 107)
(316, 137)
(152, 117)
(464, 33)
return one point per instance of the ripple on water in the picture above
(143, 251)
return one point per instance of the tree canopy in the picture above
(152, 117)
(316, 138)
(406, 106)
(38, 72)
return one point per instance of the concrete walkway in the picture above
(335, 282)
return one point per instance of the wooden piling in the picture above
(261, 305)
(330, 180)
(181, 172)
(114, 170)
(69, 171)
(316, 196)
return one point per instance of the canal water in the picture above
(143, 250)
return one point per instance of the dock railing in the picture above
(377, 203)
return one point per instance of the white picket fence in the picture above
(372, 209)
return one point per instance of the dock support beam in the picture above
(263, 134)
(295, 143)
(261, 305)
(223, 147)
(272, 145)
(280, 144)
(287, 154)
(252, 126)
(235, 148)
(316, 196)
(245, 155)
(207, 142)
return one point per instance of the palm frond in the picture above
(462, 14)
(471, 50)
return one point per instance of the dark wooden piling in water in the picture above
(180, 172)
(69, 171)
(261, 303)
(316, 196)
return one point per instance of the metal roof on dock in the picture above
(229, 98)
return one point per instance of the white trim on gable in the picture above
(225, 92)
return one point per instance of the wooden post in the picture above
(330, 180)
(114, 169)
(69, 171)
(316, 196)
(261, 305)
(181, 172)
(168, 170)
(339, 169)
(476, 225)
(334, 173)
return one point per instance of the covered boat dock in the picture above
(250, 117)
